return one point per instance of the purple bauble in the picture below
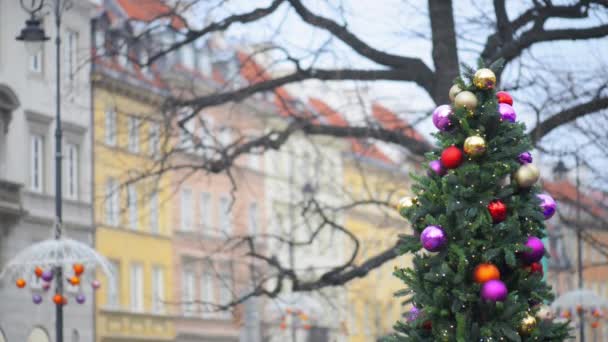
(547, 205)
(441, 117)
(37, 299)
(494, 290)
(507, 113)
(413, 314)
(537, 250)
(46, 286)
(47, 275)
(80, 298)
(95, 284)
(437, 168)
(433, 238)
(525, 158)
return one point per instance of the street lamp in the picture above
(33, 35)
(560, 171)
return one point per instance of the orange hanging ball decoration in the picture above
(20, 283)
(78, 269)
(595, 324)
(486, 272)
(74, 281)
(38, 271)
(59, 299)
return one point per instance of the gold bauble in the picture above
(526, 175)
(465, 99)
(454, 91)
(544, 313)
(484, 79)
(406, 202)
(527, 325)
(475, 146)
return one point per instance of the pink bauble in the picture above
(507, 113)
(46, 286)
(547, 205)
(494, 290)
(95, 284)
(433, 238)
(537, 250)
(437, 168)
(441, 117)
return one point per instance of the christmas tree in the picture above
(478, 220)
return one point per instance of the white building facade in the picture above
(27, 141)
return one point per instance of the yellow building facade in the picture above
(372, 306)
(132, 217)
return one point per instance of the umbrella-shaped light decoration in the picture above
(78, 261)
(580, 298)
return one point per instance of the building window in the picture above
(37, 163)
(206, 137)
(252, 216)
(207, 292)
(205, 212)
(154, 227)
(132, 205)
(35, 62)
(154, 139)
(137, 288)
(186, 210)
(225, 136)
(112, 198)
(110, 127)
(72, 171)
(123, 52)
(38, 335)
(71, 51)
(188, 293)
(113, 296)
(225, 216)
(226, 283)
(186, 130)
(133, 128)
(158, 289)
(100, 41)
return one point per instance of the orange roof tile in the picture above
(336, 119)
(566, 191)
(390, 121)
(149, 10)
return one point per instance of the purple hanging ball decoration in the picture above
(537, 250)
(37, 299)
(507, 113)
(494, 290)
(80, 298)
(413, 314)
(433, 238)
(547, 205)
(441, 117)
(525, 158)
(47, 275)
(95, 284)
(46, 286)
(437, 168)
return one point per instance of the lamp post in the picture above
(33, 34)
(560, 170)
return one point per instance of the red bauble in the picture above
(38, 271)
(498, 211)
(536, 267)
(504, 97)
(451, 157)
(427, 325)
